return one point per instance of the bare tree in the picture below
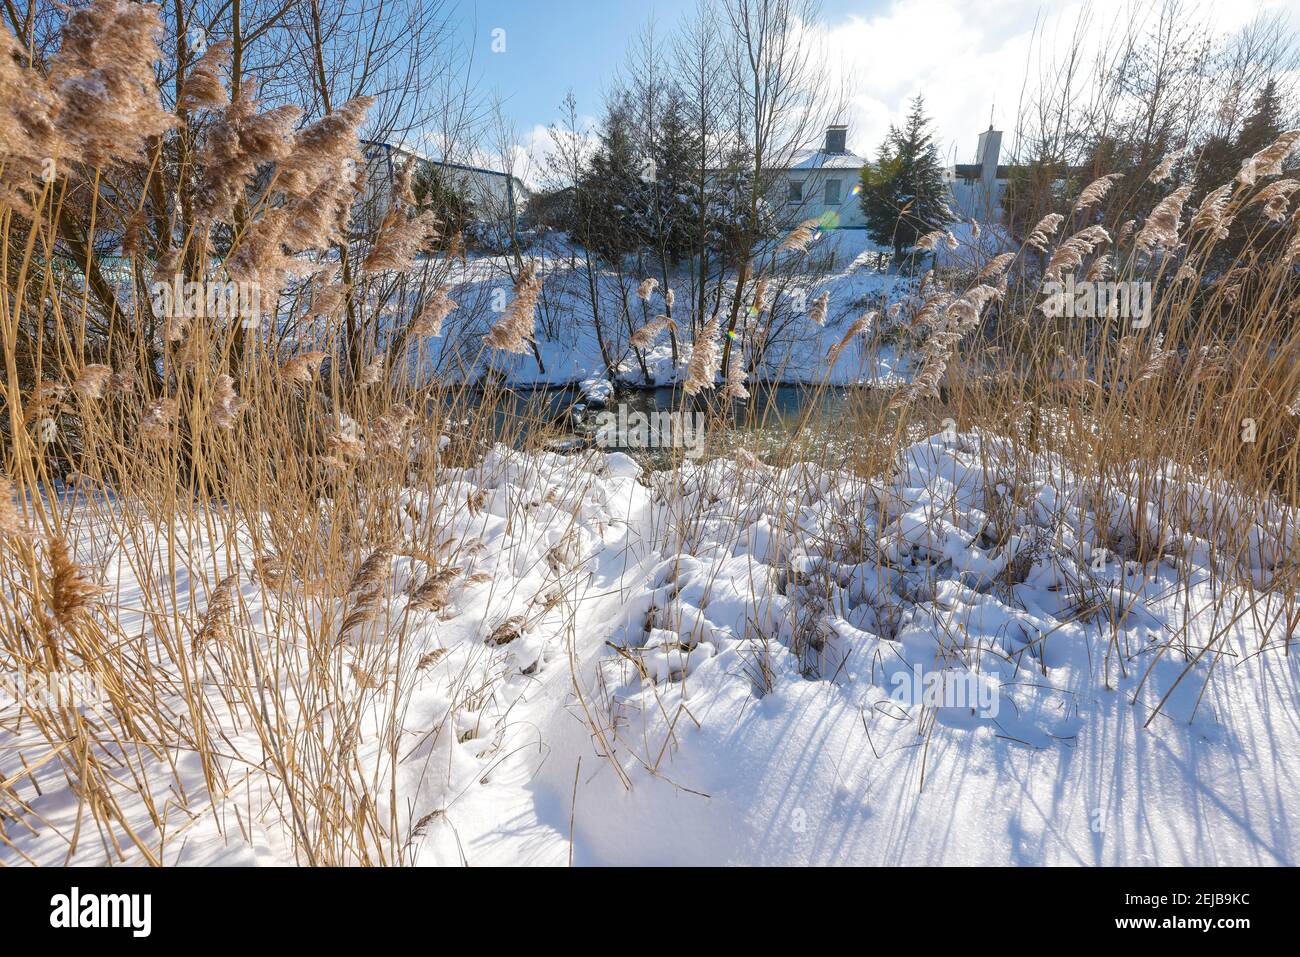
(785, 99)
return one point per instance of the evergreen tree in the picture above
(879, 195)
(1221, 156)
(1263, 125)
(903, 194)
(1035, 189)
(436, 189)
(611, 196)
(734, 229)
(671, 194)
(1220, 161)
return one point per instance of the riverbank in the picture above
(568, 351)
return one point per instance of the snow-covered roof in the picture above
(377, 145)
(817, 159)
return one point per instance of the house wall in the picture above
(813, 202)
(981, 198)
(376, 188)
(977, 200)
(490, 192)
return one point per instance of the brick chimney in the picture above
(836, 137)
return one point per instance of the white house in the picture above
(821, 183)
(977, 188)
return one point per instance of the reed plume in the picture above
(70, 592)
(930, 241)
(367, 588)
(389, 429)
(1276, 199)
(434, 593)
(1042, 233)
(860, 326)
(701, 369)
(158, 417)
(12, 522)
(373, 373)
(327, 300)
(302, 369)
(514, 330)
(1099, 269)
(403, 182)
(343, 443)
(238, 142)
(324, 149)
(318, 220)
(202, 89)
(800, 237)
(1069, 254)
(1212, 216)
(215, 624)
(429, 322)
(817, 314)
(645, 337)
(103, 75)
(92, 380)
(1096, 191)
(226, 404)
(28, 127)
(1164, 168)
(399, 240)
(1268, 161)
(995, 267)
(1161, 228)
(733, 383)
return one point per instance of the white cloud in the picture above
(971, 58)
(528, 157)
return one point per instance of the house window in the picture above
(832, 192)
(796, 191)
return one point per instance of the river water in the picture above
(660, 426)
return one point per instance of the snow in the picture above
(841, 261)
(777, 666)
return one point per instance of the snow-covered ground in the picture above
(735, 665)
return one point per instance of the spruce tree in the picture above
(903, 192)
(879, 196)
(735, 228)
(671, 195)
(1221, 159)
(610, 196)
(1263, 124)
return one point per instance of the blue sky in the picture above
(970, 59)
(554, 45)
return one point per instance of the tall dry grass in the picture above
(221, 464)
